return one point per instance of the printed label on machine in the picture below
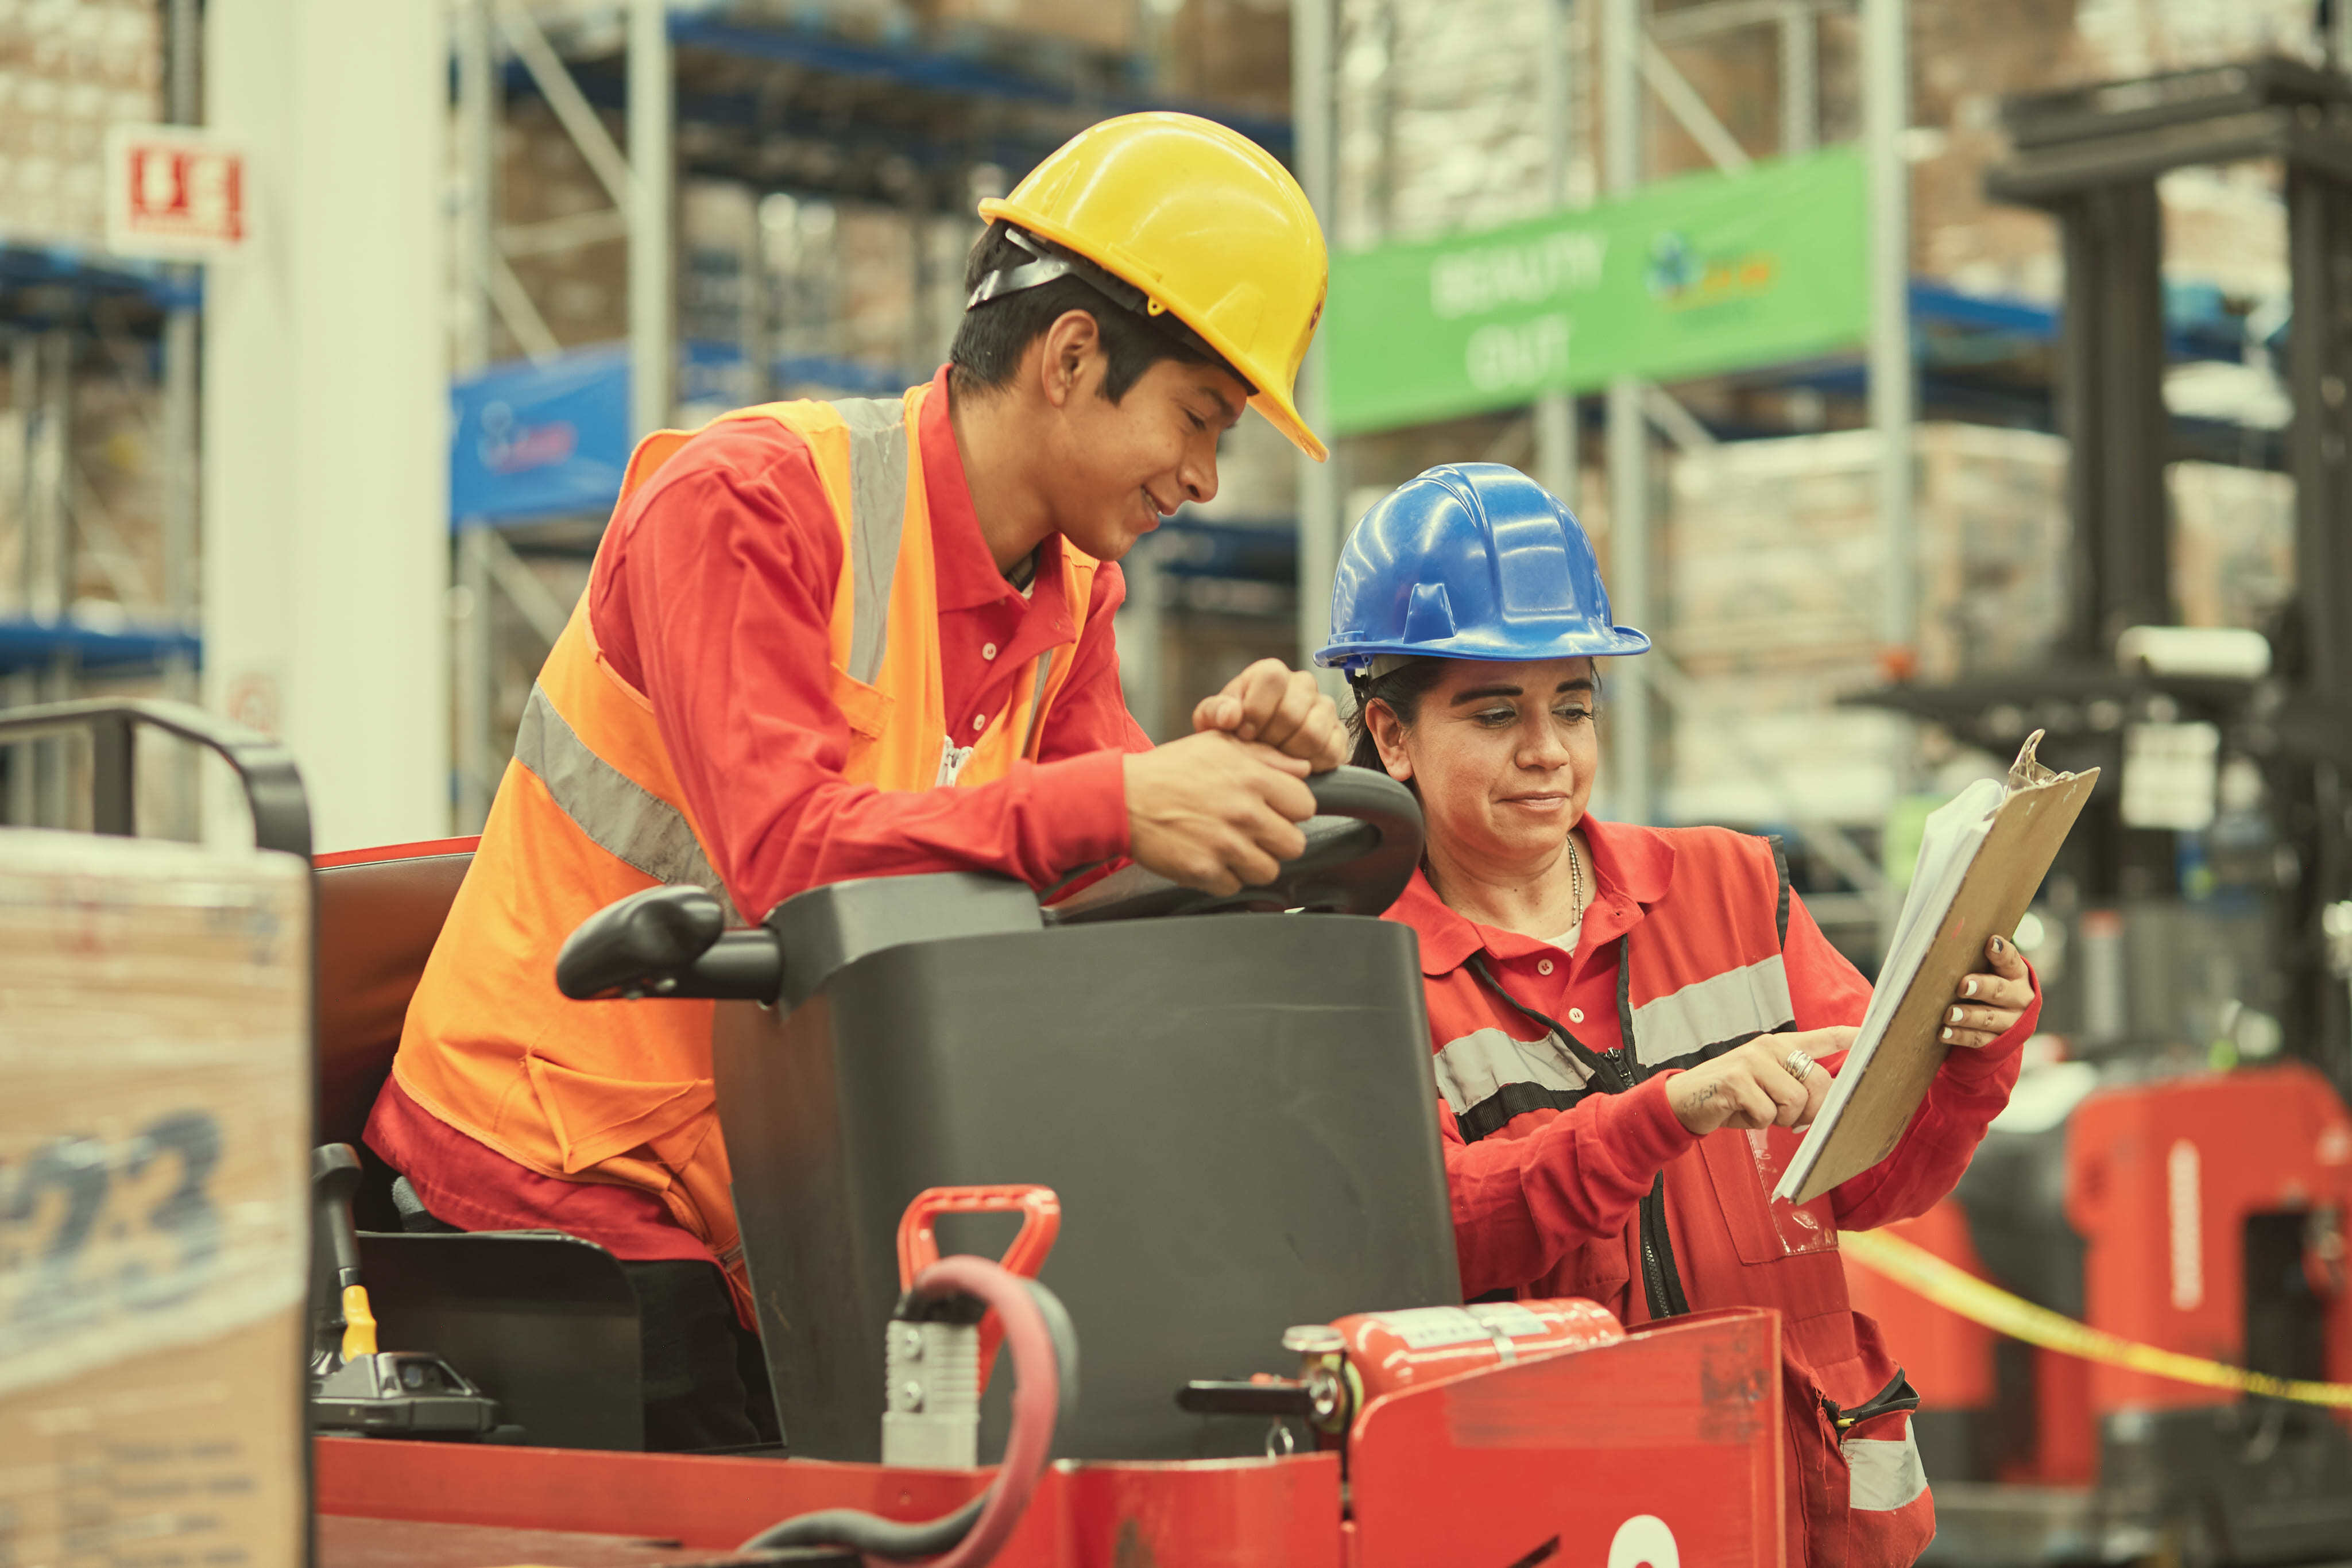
(1429, 1328)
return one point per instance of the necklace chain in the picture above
(1576, 879)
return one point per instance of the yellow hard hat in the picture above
(1207, 225)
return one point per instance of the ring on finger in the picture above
(1798, 1063)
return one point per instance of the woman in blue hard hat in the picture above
(1631, 1023)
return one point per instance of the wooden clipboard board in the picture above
(2028, 827)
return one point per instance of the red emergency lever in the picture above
(1040, 1221)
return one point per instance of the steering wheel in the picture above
(1362, 845)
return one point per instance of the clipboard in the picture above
(1990, 865)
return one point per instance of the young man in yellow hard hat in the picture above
(824, 641)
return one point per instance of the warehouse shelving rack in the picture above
(1931, 347)
(63, 308)
(1614, 52)
(734, 92)
(65, 312)
(792, 107)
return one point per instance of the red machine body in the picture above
(1390, 1350)
(2163, 1181)
(2170, 1186)
(1547, 1435)
(1661, 1447)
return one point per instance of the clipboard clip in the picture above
(2027, 771)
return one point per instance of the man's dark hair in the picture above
(992, 335)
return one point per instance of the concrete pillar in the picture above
(325, 486)
(1314, 25)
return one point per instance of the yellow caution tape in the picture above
(1957, 1290)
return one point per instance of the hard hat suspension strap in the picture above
(1054, 262)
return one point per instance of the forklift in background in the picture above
(2183, 1178)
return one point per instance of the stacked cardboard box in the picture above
(1774, 555)
(118, 491)
(1233, 52)
(867, 284)
(113, 476)
(154, 1264)
(1437, 124)
(2233, 544)
(582, 291)
(1968, 56)
(1108, 26)
(69, 69)
(1774, 576)
(1438, 130)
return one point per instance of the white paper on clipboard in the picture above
(1981, 858)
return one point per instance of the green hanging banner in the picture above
(1686, 278)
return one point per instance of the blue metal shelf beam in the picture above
(944, 72)
(26, 645)
(82, 277)
(941, 76)
(2201, 335)
(584, 451)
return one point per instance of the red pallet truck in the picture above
(1244, 1345)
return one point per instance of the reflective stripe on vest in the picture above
(1721, 1009)
(1883, 1473)
(621, 816)
(638, 827)
(590, 811)
(877, 511)
(1692, 987)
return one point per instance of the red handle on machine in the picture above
(1040, 1221)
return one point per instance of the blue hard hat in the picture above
(1471, 560)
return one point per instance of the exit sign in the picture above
(176, 192)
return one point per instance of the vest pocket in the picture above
(1744, 1168)
(596, 1116)
(1860, 1490)
(867, 709)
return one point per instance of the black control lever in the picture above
(354, 1386)
(668, 942)
(1260, 1395)
(334, 1178)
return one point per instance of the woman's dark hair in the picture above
(992, 335)
(1403, 689)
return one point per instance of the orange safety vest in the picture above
(590, 810)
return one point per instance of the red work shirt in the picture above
(1547, 1174)
(1537, 1200)
(712, 593)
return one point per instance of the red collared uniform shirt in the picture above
(1692, 945)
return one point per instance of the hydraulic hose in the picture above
(1044, 1347)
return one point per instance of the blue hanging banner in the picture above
(534, 440)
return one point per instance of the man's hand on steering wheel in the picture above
(1213, 812)
(1272, 704)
